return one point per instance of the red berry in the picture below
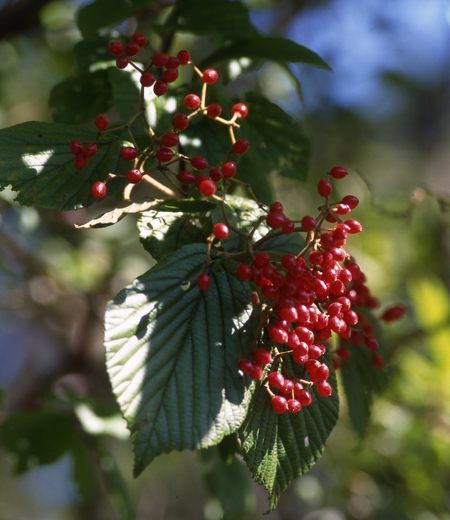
(203, 281)
(191, 101)
(122, 62)
(324, 389)
(294, 406)
(147, 79)
(180, 122)
(305, 398)
(229, 169)
(75, 147)
(90, 150)
(164, 155)
(160, 88)
(98, 190)
(215, 174)
(172, 63)
(244, 271)
(186, 177)
(132, 49)
(262, 260)
(344, 353)
(288, 387)
(378, 361)
(80, 161)
(170, 140)
(101, 122)
(279, 404)
(199, 163)
(214, 111)
(354, 225)
(241, 146)
(351, 201)
(184, 57)
(276, 207)
(277, 334)
(324, 188)
(276, 379)
(308, 223)
(393, 313)
(288, 227)
(160, 59)
(257, 373)
(134, 176)
(115, 48)
(275, 220)
(371, 343)
(207, 188)
(241, 109)
(288, 261)
(245, 366)
(199, 179)
(128, 153)
(262, 357)
(210, 76)
(337, 172)
(220, 231)
(170, 75)
(138, 39)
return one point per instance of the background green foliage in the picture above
(55, 280)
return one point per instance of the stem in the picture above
(156, 184)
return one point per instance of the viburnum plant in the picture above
(238, 329)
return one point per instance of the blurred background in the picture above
(384, 114)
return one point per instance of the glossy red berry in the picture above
(308, 223)
(122, 62)
(245, 366)
(98, 190)
(101, 122)
(324, 188)
(199, 163)
(80, 161)
(147, 79)
(184, 57)
(276, 207)
(214, 111)
(393, 313)
(220, 231)
(210, 76)
(215, 174)
(261, 260)
(170, 75)
(351, 201)
(134, 176)
(116, 48)
(276, 379)
(160, 88)
(160, 59)
(172, 63)
(207, 188)
(138, 39)
(128, 153)
(203, 281)
(262, 357)
(338, 172)
(164, 155)
(275, 220)
(294, 406)
(304, 397)
(170, 140)
(132, 49)
(324, 389)
(240, 109)
(244, 271)
(180, 122)
(89, 150)
(199, 179)
(288, 227)
(191, 101)
(279, 404)
(241, 146)
(186, 177)
(257, 373)
(378, 361)
(76, 147)
(371, 343)
(229, 169)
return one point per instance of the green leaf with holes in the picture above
(279, 448)
(35, 160)
(361, 380)
(172, 354)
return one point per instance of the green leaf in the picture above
(42, 437)
(80, 98)
(93, 54)
(277, 141)
(104, 13)
(361, 379)
(279, 448)
(172, 354)
(220, 20)
(35, 160)
(268, 48)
